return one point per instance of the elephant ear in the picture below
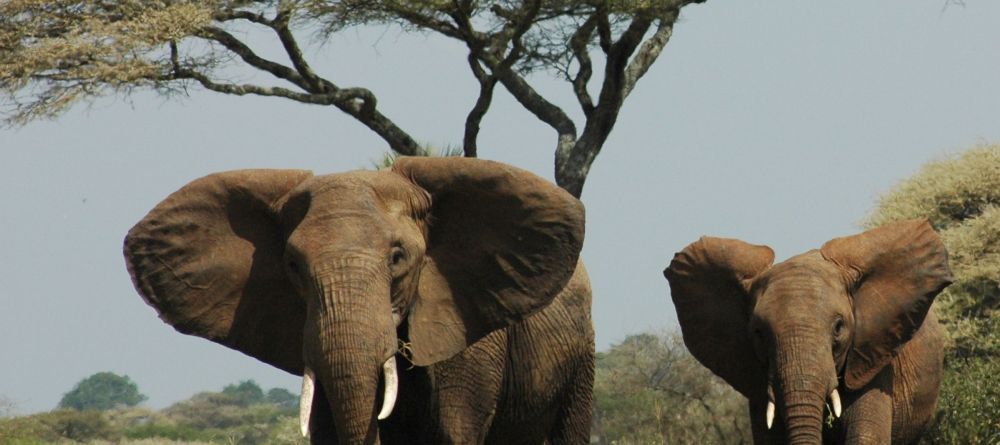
(709, 284)
(209, 260)
(501, 244)
(893, 274)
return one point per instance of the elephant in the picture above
(464, 271)
(850, 323)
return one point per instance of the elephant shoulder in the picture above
(576, 296)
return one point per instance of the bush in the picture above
(208, 417)
(969, 405)
(102, 391)
(79, 426)
(960, 196)
(26, 430)
(57, 426)
(167, 431)
(650, 390)
(282, 398)
(245, 393)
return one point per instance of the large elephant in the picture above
(465, 270)
(850, 324)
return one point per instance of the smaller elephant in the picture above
(850, 324)
(467, 271)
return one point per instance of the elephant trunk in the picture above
(349, 335)
(803, 384)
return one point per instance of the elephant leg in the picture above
(466, 390)
(867, 415)
(574, 421)
(916, 378)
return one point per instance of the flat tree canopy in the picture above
(59, 52)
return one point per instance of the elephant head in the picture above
(787, 336)
(320, 275)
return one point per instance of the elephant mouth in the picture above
(833, 398)
(307, 399)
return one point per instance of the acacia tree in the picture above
(103, 391)
(648, 389)
(58, 52)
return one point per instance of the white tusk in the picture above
(391, 388)
(835, 399)
(306, 400)
(770, 414)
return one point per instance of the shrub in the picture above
(102, 391)
(960, 196)
(969, 405)
(245, 393)
(649, 390)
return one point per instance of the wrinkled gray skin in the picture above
(850, 321)
(472, 265)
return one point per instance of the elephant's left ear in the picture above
(502, 243)
(894, 272)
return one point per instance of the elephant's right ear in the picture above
(209, 260)
(709, 283)
(502, 243)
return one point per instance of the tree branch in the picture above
(578, 44)
(233, 44)
(649, 52)
(502, 70)
(280, 26)
(428, 22)
(573, 161)
(236, 14)
(345, 95)
(475, 117)
(360, 103)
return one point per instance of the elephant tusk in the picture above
(306, 400)
(391, 388)
(770, 414)
(835, 400)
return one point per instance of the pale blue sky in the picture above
(778, 122)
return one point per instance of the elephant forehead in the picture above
(367, 189)
(807, 275)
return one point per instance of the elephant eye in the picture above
(838, 328)
(397, 256)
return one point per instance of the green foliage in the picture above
(102, 391)
(650, 390)
(960, 196)
(969, 406)
(57, 426)
(241, 413)
(207, 410)
(79, 426)
(245, 393)
(282, 398)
